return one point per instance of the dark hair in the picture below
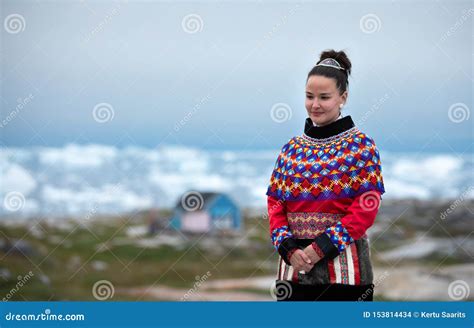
(341, 76)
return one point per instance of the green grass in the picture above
(127, 265)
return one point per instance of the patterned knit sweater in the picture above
(325, 191)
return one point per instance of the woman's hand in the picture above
(311, 253)
(300, 261)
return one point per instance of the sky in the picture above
(231, 75)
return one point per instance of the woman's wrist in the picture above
(290, 253)
(287, 247)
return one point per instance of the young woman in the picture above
(324, 193)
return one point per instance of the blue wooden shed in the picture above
(206, 212)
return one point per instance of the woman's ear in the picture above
(344, 97)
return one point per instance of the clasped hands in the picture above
(304, 259)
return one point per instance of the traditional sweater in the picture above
(325, 191)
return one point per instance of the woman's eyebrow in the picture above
(322, 93)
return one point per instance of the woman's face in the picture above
(323, 99)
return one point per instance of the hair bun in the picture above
(340, 56)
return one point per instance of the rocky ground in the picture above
(420, 251)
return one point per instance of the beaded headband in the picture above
(330, 62)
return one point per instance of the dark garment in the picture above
(289, 291)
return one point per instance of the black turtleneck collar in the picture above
(326, 131)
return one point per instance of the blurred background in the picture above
(138, 139)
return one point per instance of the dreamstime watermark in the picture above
(196, 285)
(281, 112)
(191, 113)
(376, 283)
(375, 107)
(282, 22)
(370, 201)
(92, 212)
(192, 201)
(456, 203)
(453, 29)
(14, 201)
(278, 204)
(103, 112)
(281, 290)
(103, 289)
(459, 290)
(192, 23)
(370, 23)
(95, 205)
(458, 112)
(14, 23)
(22, 102)
(99, 27)
(46, 316)
(21, 282)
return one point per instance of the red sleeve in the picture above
(280, 232)
(279, 227)
(361, 216)
(361, 213)
(276, 213)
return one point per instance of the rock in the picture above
(45, 279)
(423, 247)
(421, 283)
(99, 265)
(5, 274)
(74, 262)
(18, 247)
(136, 231)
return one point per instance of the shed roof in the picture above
(207, 198)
